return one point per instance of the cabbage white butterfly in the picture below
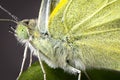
(80, 34)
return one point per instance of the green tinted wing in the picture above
(56, 27)
(70, 15)
(99, 53)
(99, 37)
(92, 25)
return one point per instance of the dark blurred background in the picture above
(11, 51)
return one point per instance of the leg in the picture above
(24, 57)
(41, 65)
(30, 59)
(79, 73)
(87, 75)
(74, 70)
(79, 76)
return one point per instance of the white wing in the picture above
(43, 16)
(46, 7)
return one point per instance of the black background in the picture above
(11, 51)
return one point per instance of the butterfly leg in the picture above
(41, 65)
(74, 70)
(30, 59)
(87, 75)
(79, 76)
(64, 13)
(23, 62)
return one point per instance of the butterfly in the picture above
(74, 35)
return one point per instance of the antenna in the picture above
(14, 17)
(9, 20)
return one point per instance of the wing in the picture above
(55, 27)
(92, 25)
(74, 16)
(46, 8)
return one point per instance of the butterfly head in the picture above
(25, 29)
(22, 32)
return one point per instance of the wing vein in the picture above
(97, 32)
(80, 23)
(98, 45)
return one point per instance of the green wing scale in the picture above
(94, 27)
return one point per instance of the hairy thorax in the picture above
(58, 53)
